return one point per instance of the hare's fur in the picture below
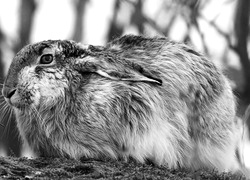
(146, 98)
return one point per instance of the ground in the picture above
(59, 168)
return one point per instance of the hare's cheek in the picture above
(52, 87)
(28, 88)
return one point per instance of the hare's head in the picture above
(41, 73)
(37, 73)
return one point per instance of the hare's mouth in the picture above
(18, 101)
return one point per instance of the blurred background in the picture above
(219, 29)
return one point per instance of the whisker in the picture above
(2, 102)
(1, 87)
(4, 109)
(5, 117)
(8, 119)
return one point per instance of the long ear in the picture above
(133, 77)
(135, 73)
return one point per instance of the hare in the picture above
(140, 97)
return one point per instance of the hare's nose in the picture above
(8, 92)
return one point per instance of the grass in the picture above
(59, 168)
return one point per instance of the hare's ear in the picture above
(136, 73)
(129, 76)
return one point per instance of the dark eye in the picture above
(46, 59)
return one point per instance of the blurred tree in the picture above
(191, 15)
(238, 42)
(27, 11)
(138, 17)
(79, 7)
(115, 28)
(241, 27)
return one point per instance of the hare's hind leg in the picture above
(215, 134)
(214, 157)
(216, 143)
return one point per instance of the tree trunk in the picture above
(115, 30)
(27, 10)
(79, 6)
(241, 27)
(137, 17)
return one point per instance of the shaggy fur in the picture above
(146, 98)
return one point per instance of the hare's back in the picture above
(181, 68)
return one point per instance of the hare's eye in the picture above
(46, 59)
